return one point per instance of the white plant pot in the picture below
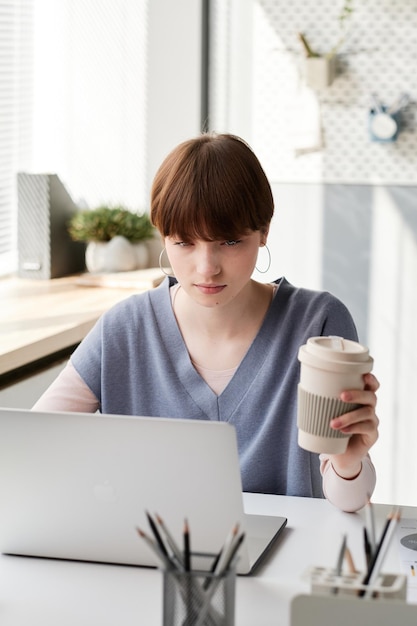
(116, 255)
(319, 72)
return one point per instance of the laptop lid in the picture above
(77, 485)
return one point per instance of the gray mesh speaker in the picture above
(45, 248)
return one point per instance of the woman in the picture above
(212, 343)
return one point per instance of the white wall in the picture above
(174, 77)
(360, 243)
(291, 245)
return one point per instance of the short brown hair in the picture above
(212, 187)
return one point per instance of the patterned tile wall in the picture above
(378, 55)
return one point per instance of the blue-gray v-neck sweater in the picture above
(136, 363)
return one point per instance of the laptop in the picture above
(78, 485)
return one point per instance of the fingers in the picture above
(361, 424)
(360, 396)
(360, 421)
(363, 396)
(371, 382)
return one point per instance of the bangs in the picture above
(203, 212)
(206, 190)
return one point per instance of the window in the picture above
(90, 97)
(96, 91)
(72, 102)
(16, 27)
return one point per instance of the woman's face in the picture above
(213, 273)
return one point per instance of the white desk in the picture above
(43, 592)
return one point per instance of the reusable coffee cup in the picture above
(329, 365)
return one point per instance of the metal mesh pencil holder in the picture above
(198, 597)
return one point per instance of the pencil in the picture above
(156, 534)
(226, 550)
(367, 547)
(235, 547)
(187, 553)
(220, 554)
(370, 523)
(221, 569)
(349, 561)
(339, 563)
(341, 556)
(384, 547)
(155, 548)
(380, 551)
(170, 539)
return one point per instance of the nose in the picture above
(208, 259)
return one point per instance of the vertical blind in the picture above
(16, 28)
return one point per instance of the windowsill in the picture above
(42, 317)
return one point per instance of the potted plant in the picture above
(115, 237)
(320, 68)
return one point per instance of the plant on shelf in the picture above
(105, 222)
(320, 68)
(115, 237)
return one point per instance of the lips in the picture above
(209, 289)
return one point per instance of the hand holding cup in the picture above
(329, 365)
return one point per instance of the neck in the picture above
(247, 309)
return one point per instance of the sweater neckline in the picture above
(194, 385)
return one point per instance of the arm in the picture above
(351, 475)
(68, 392)
(348, 494)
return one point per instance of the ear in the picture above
(264, 235)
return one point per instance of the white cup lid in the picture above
(335, 350)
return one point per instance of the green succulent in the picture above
(104, 223)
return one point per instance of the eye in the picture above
(182, 244)
(232, 242)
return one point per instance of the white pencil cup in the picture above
(388, 586)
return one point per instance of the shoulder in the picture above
(317, 312)
(131, 321)
(300, 296)
(140, 304)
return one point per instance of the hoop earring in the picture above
(160, 263)
(269, 261)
